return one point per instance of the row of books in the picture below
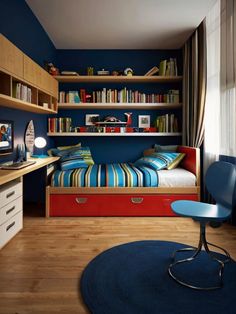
(168, 67)
(59, 124)
(115, 96)
(22, 92)
(167, 123)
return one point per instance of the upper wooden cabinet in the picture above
(16, 69)
(11, 58)
(34, 74)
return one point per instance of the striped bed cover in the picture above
(109, 175)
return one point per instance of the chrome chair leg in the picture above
(202, 243)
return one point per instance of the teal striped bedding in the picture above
(109, 175)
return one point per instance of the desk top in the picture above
(9, 175)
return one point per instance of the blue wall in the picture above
(21, 27)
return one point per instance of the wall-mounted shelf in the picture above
(113, 134)
(10, 102)
(152, 106)
(117, 79)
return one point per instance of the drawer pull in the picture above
(136, 200)
(10, 226)
(10, 210)
(10, 194)
(81, 200)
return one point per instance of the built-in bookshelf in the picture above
(114, 101)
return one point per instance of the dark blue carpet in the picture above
(132, 279)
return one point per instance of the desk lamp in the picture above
(40, 142)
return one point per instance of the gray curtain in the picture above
(194, 87)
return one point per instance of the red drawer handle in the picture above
(81, 200)
(136, 200)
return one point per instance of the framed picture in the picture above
(144, 121)
(91, 118)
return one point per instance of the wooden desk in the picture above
(9, 175)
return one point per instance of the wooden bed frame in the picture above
(121, 201)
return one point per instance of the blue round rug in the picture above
(132, 279)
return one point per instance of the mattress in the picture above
(176, 177)
(121, 175)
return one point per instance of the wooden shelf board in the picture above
(7, 101)
(117, 79)
(153, 106)
(112, 134)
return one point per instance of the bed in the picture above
(106, 191)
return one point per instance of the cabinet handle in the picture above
(136, 200)
(10, 194)
(10, 226)
(81, 200)
(10, 210)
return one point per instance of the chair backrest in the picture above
(221, 183)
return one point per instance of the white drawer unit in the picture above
(10, 228)
(10, 191)
(11, 210)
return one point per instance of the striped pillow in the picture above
(80, 158)
(158, 161)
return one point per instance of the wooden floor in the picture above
(41, 267)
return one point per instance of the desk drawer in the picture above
(10, 228)
(9, 210)
(9, 192)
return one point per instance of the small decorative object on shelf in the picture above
(90, 119)
(50, 68)
(129, 118)
(90, 71)
(128, 72)
(103, 72)
(69, 73)
(144, 121)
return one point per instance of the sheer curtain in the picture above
(228, 78)
(212, 107)
(220, 109)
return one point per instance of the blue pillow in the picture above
(157, 161)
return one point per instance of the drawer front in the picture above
(114, 205)
(10, 228)
(10, 210)
(10, 192)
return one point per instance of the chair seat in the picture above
(201, 211)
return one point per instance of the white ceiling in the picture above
(119, 24)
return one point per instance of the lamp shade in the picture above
(40, 142)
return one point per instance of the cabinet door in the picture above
(32, 72)
(11, 58)
(37, 76)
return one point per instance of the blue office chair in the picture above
(220, 183)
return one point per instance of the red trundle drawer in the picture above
(114, 204)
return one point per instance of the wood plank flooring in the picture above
(41, 267)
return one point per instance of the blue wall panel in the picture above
(21, 27)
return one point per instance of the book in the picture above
(152, 71)
(162, 68)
